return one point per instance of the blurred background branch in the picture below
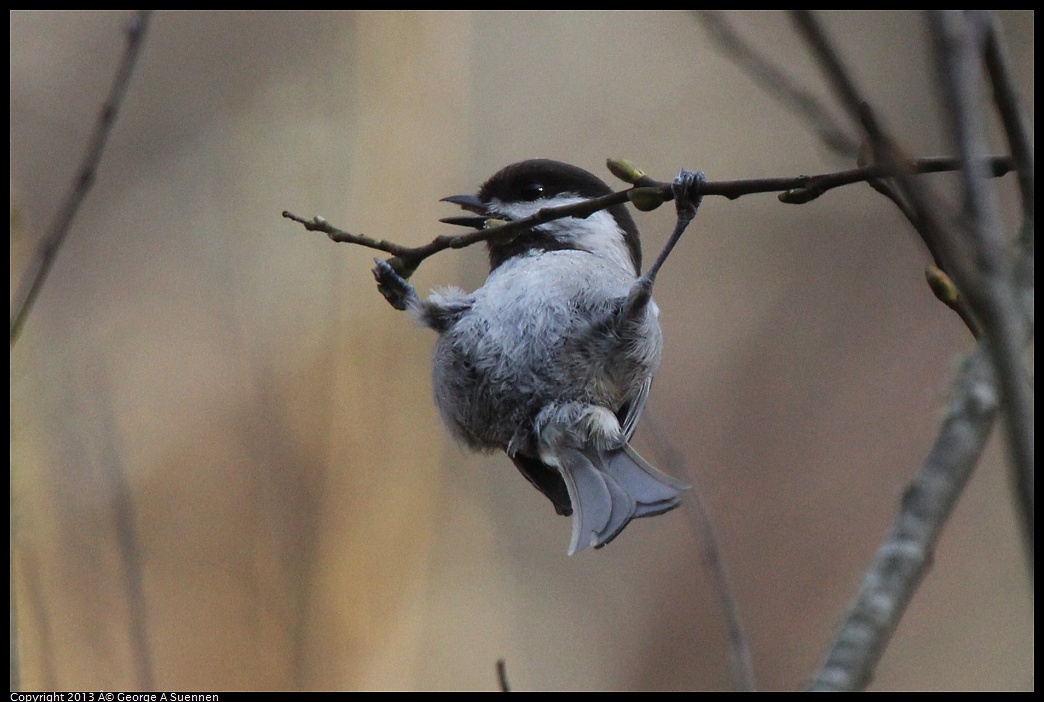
(985, 277)
(33, 278)
(31, 283)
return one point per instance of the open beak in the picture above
(471, 203)
(468, 202)
(475, 222)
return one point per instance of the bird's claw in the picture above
(395, 289)
(688, 193)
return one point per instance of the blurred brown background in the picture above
(227, 471)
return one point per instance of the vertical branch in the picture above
(958, 38)
(982, 274)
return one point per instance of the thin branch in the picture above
(1006, 98)
(777, 84)
(950, 250)
(1020, 142)
(817, 185)
(648, 193)
(502, 675)
(32, 281)
(884, 150)
(957, 39)
(945, 249)
(942, 233)
(944, 289)
(906, 553)
(887, 188)
(741, 666)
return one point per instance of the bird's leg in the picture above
(687, 198)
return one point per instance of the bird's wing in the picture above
(631, 412)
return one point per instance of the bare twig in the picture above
(907, 550)
(502, 675)
(830, 62)
(777, 84)
(32, 281)
(741, 666)
(939, 282)
(793, 190)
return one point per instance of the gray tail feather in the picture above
(608, 490)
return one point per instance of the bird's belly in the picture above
(537, 333)
(490, 379)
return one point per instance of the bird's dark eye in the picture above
(532, 191)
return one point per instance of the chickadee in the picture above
(551, 360)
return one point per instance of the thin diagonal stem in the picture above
(33, 280)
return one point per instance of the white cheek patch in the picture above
(598, 234)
